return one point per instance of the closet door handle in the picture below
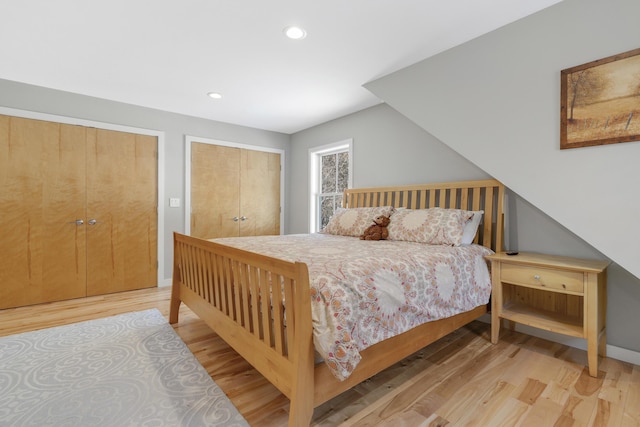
(93, 222)
(77, 222)
(243, 218)
(235, 218)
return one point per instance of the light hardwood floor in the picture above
(460, 380)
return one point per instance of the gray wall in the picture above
(389, 149)
(496, 101)
(175, 127)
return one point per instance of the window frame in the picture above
(315, 178)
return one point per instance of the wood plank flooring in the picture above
(460, 380)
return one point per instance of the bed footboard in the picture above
(259, 305)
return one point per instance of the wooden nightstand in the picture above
(556, 293)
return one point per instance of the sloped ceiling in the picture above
(495, 100)
(167, 54)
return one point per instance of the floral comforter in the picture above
(366, 291)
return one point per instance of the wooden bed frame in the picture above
(226, 287)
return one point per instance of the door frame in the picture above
(121, 128)
(189, 139)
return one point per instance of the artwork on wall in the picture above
(600, 101)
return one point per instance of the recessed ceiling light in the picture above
(214, 95)
(295, 33)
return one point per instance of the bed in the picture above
(260, 302)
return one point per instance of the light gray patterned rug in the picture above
(126, 370)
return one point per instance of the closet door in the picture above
(42, 194)
(259, 193)
(121, 211)
(215, 190)
(234, 191)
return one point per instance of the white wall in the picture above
(495, 100)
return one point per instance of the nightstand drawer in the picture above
(543, 278)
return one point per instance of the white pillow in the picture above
(471, 228)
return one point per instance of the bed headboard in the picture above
(487, 195)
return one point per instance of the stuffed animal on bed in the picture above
(378, 230)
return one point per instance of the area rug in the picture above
(126, 370)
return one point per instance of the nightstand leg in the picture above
(593, 323)
(592, 356)
(495, 326)
(602, 314)
(496, 301)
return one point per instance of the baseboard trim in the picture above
(613, 352)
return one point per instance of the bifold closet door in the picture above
(234, 191)
(42, 194)
(78, 211)
(259, 193)
(121, 211)
(215, 190)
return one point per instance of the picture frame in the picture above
(600, 101)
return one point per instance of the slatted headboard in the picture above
(486, 195)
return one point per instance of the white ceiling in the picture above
(167, 54)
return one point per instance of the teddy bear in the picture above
(378, 230)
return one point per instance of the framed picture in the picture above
(600, 101)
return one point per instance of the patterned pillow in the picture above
(353, 222)
(435, 226)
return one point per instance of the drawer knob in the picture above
(537, 277)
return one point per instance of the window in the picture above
(330, 169)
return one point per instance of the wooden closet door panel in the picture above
(260, 193)
(122, 199)
(214, 190)
(42, 193)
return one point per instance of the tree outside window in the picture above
(335, 179)
(330, 176)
